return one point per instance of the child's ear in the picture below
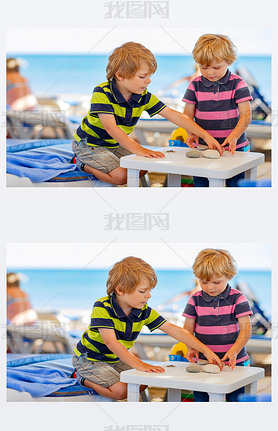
(119, 291)
(118, 76)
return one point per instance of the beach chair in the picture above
(39, 337)
(44, 378)
(31, 124)
(48, 377)
(261, 324)
(47, 163)
(261, 109)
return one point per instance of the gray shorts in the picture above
(102, 373)
(101, 158)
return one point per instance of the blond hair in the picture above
(210, 262)
(127, 274)
(210, 47)
(127, 59)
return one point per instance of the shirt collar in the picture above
(118, 95)
(223, 295)
(118, 309)
(223, 80)
(116, 92)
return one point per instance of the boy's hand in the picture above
(150, 153)
(213, 358)
(213, 144)
(191, 140)
(231, 355)
(232, 144)
(149, 368)
(192, 355)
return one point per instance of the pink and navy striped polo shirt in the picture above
(216, 105)
(216, 319)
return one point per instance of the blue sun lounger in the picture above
(45, 377)
(45, 162)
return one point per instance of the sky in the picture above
(248, 40)
(103, 255)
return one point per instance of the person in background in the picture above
(19, 96)
(19, 308)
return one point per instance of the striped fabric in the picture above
(216, 105)
(107, 313)
(216, 319)
(108, 99)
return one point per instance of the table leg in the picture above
(216, 182)
(133, 392)
(251, 388)
(174, 180)
(174, 395)
(132, 178)
(216, 398)
(251, 174)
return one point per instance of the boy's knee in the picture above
(119, 391)
(119, 176)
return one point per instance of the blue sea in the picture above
(69, 288)
(57, 74)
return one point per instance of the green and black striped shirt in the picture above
(107, 99)
(107, 313)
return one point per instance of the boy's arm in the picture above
(188, 124)
(109, 338)
(189, 110)
(243, 122)
(189, 325)
(185, 337)
(245, 330)
(110, 125)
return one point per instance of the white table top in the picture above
(176, 377)
(176, 162)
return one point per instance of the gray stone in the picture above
(193, 154)
(211, 154)
(194, 368)
(211, 368)
(202, 147)
(202, 362)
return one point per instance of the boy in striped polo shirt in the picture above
(218, 315)
(218, 100)
(116, 106)
(116, 321)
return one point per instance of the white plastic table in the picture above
(176, 379)
(175, 164)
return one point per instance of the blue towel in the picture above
(37, 166)
(38, 381)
